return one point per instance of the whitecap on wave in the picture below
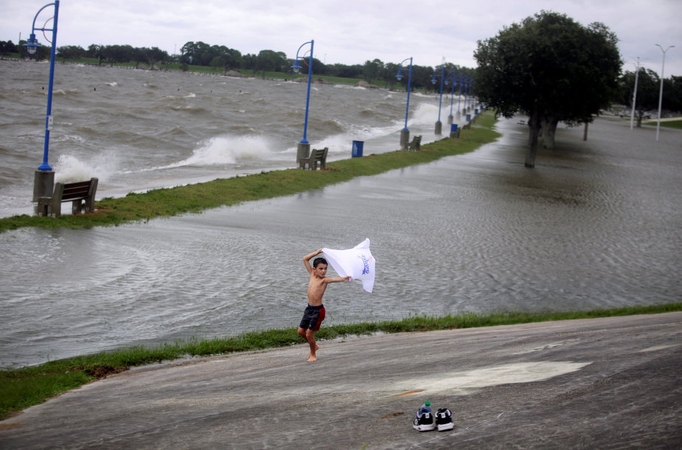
(227, 150)
(70, 168)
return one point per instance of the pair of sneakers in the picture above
(424, 421)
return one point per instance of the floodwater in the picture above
(595, 224)
(136, 130)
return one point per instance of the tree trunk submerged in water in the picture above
(549, 125)
(640, 115)
(585, 132)
(534, 131)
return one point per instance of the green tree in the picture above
(227, 58)
(373, 70)
(154, 55)
(344, 71)
(7, 47)
(550, 68)
(197, 53)
(96, 51)
(139, 56)
(117, 54)
(249, 62)
(71, 52)
(673, 91)
(647, 91)
(390, 71)
(270, 60)
(320, 67)
(421, 77)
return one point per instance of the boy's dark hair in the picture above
(318, 261)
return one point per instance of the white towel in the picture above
(357, 262)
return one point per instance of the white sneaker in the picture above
(424, 422)
(444, 420)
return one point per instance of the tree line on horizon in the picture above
(228, 59)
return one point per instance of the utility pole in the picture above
(660, 95)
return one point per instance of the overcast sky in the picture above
(346, 31)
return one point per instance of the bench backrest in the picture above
(73, 191)
(80, 193)
(316, 155)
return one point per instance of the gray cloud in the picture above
(350, 31)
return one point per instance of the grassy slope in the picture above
(21, 388)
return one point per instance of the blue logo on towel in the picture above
(365, 263)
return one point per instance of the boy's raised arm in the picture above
(308, 257)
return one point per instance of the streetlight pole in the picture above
(660, 95)
(462, 82)
(472, 100)
(451, 78)
(303, 150)
(405, 132)
(439, 125)
(467, 83)
(44, 176)
(634, 96)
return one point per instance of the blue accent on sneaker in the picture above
(424, 420)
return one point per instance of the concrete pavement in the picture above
(599, 383)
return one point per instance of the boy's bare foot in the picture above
(312, 358)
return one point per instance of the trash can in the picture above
(357, 148)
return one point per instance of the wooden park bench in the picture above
(81, 194)
(315, 157)
(415, 144)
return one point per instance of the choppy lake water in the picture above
(137, 130)
(596, 224)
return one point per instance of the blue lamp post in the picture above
(462, 82)
(467, 83)
(452, 76)
(405, 132)
(303, 150)
(44, 176)
(472, 98)
(439, 125)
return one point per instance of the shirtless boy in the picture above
(314, 313)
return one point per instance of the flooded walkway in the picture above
(596, 383)
(595, 224)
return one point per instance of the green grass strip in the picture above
(667, 123)
(231, 191)
(24, 387)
